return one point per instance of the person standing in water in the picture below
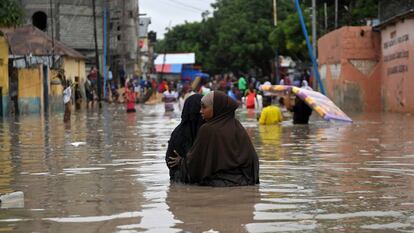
(184, 135)
(270, 114)
(130, 98)
(301, 111)
(169, 97)
(222, 154)
(67, 95)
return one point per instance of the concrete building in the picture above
(123, 28)
(72, 22)
(27, 84)
(370, 69)
(146, 48)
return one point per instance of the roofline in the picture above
(395, 18)
(6, 30)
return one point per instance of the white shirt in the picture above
(110, 76)
(67, 93)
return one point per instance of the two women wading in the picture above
(222, 153)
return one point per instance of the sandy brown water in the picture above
(325, 177)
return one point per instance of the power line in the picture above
(179, 6)
(186, 5)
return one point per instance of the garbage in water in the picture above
(12, 200)
(76, 144)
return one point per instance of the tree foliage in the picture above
(11, 13)
(240, 35)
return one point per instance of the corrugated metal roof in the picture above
(28, 39)
(175, 58)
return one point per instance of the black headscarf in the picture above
(184, 134)
(222, 154)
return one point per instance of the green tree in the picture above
(234, 39)
(11, 13)
(241, 36)
(288, 37)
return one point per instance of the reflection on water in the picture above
(105, 172)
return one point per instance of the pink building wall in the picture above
(397, 73)
(350, 67)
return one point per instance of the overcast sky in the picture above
(162, 12)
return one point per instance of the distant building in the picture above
(145, 45)
(72, 21)
(27, 85)
(124, 33)
(73, 25)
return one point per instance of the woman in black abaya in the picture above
(222, 154)
(183, 136)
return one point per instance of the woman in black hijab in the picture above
(222, 154)
(183, 136)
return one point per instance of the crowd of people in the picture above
(245, 90)
(209, 147)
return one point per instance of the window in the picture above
(39, 20)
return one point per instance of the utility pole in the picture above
(138, 38)
(314, 36)
(311, 53)
(96, 53)
(326, 16)
(105, 9)
(275, 13)
(277, 74)
(123, 36)
(336, 14)
(57, 19)
(53, 32)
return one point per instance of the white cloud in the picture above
(165, 13)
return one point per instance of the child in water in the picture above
(130, 98)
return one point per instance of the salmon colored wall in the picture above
(397, 42)
(350, 58)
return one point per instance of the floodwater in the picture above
(105, 172)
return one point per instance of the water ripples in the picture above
(106, 173)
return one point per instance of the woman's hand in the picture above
(174, 161)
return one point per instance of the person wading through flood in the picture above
(130, 97)
(301, 111)
(184, 135)
(222, 154)
(67, 95)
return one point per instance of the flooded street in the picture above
(105, 172)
